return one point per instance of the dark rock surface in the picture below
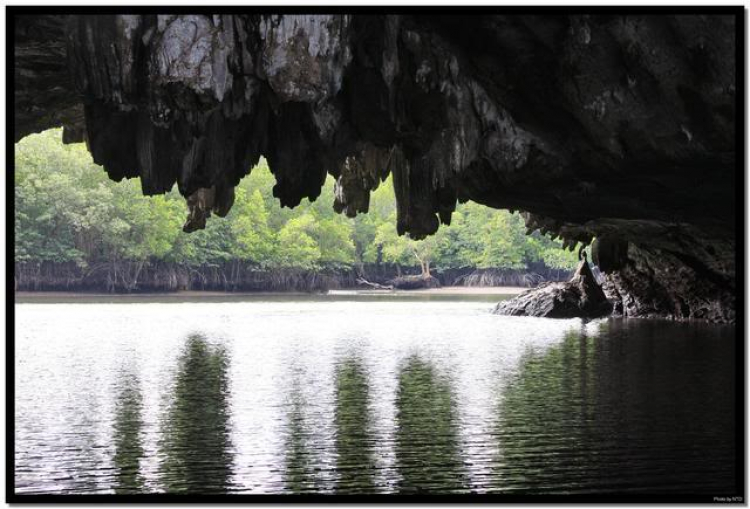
(657, 282)
(579, 297)
(608, 126)
(417, 282)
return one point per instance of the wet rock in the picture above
(580, 297)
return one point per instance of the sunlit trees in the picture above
(505, 244)
(334, 238)
(403, 250)
(297, 245)
(255, 241)
(68, 211)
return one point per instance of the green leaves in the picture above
(249, 225)
(297, 246)
(67, 210)
(334, 237)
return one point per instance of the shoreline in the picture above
(443, 291)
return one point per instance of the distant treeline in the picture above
(236, 276)
(72, 222)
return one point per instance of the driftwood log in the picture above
(376, 286)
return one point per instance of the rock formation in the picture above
(580, 297)
(609, 126)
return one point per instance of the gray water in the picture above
(366, 395)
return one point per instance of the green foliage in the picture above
(557, 258)
(297, 245)
(334, 237)
(67, 210)
(254, 238)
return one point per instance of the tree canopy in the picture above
(67, 210)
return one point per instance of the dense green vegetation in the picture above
(67, 210)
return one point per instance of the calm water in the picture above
(373, 395)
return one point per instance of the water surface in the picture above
(366, 395)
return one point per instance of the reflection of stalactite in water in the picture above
(355, 460)
(301, 473)
(600, 413)
(542, 417)
(127, 436)
(427, 450)
(298, 475)
(196, 444)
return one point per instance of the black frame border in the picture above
(740, 14)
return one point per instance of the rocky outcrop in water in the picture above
(608, 126)
(580, 297)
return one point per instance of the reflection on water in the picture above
(127, 435)
(196, 431)
(355, 461)
(361, 397)
(299, 465)
(427, 440)
(635, 408)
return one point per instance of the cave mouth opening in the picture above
(81, 219)
(609, 133)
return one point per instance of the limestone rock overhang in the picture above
(619, 127)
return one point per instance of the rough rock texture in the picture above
(609, 126)
(579, 297)
(656, 282)
(44, 92)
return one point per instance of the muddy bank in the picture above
(454, 290)
(161, 277)
(490, 294)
